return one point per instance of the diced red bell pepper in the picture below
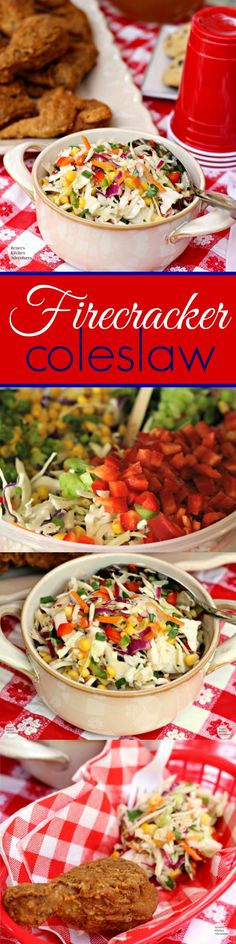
(137, 482)
(172, 598)
(70, 536)
(174, 176)
(162, 529)
(129, 520)
(115, 506)
(148, 500)
(112, 634)
(118, 489)
(65, 628)
(100, 486)
(195, 504)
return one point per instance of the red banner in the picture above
(102, 330)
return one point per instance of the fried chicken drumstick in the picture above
(105, 896)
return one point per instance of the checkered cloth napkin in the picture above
(55, 833)
(21, 243)
(213, 714)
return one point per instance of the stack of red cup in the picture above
(204, 121)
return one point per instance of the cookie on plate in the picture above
(173, 74)
(176, 43)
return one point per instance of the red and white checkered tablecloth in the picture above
(81, 822)
(18, 227)
(213, 714)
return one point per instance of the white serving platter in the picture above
(109, 81)
(153, 84)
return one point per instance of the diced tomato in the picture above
(171, 598)
(118, 489)
(129, 520)
(162, 529)
(100, 486)
(148, 500)
(174, 176)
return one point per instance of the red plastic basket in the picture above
(214, 766)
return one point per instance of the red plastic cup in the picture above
(205, 113)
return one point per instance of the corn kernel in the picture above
(154, 800)
(205, 819)
(60, 536)
(78, 450)
(70, 176)
(108, 418)
(111, 672)
(42, 492)
(148, 201)
(191, 659)
(81, 203)
(45, 656)
(173, 873)
(85, 674)
(102, 686)
(148, 828)
(73, 674)
(116, 527)
(115, 855)
(68, 611)
(122, 429)
(68, 443)
(130, 183)
(84, 644)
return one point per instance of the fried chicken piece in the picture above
(107, 896)
(35, 560)
(15, 106)
(14, 89)
(38, 41)
(13, 12)
(51, 5)
(56, 115)
(91, 114)
(77, 22)
(71, 69)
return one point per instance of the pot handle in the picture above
(10, 655)
(213, 222)
(19, 748)
(14, 163)
(226, 652)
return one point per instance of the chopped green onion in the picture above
(120, 682)
(47, 599)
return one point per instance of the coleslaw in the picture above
(122, 628)
(172, 831)
(130, 184)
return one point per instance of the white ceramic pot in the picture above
(148, 247)
(52, 762)
(110, 712)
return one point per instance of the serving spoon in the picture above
(219, 200)
(138, 413)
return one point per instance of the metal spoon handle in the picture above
(217, 200)
(223, 613)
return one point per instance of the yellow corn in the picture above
(59, 537)
(45, 656)
(42, 492)
(122, 429)
(68, 611)
(115, 855)
(81, 203)
(85, 674)
(84, 644)
(148, 828)
(116, 527)
(191, 658)
(73, 674)
(70, 176)
(78, 450)
(130, 183)
(148, 201)
(205, 819)
(154, 800)
(102, 686)
(111, 672)
(173, 873)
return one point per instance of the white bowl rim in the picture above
(119, 226)
(109, 692)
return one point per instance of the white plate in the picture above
(110, 80)
(153, 84)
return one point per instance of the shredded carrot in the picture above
(103, 592)
(191, 852)
(167, 617)
(153, 181)
(86, 142)
(170, 836)
(84, 606)
(110, 619)
(104, 165)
